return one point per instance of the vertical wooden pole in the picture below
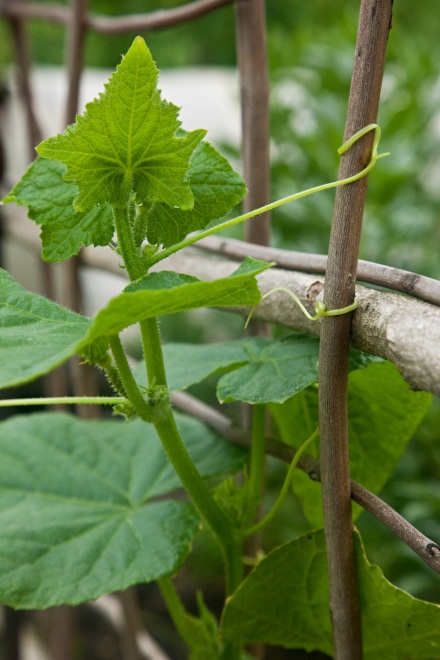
(374, 24)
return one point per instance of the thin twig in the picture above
(418, 286)
(427, 549)
(156, 20)
(339, 291)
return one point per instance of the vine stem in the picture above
(190, 240)
(284, 490)
(175, 607)
(64, 400)
(211, 513)
(209, 510)
(257, 464)
(374, 24)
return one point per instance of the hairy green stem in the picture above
(131, 387)
(130, 252)
(175, 608)
(209, 510)
(153, 354)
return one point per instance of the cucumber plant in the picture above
(80, 514)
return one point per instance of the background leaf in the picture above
(260, 370)
(383, 414)
(76, 514)
(274, 373)
(216, 189)
(49, 199)
(126, 140)
(36, 335)
(284, 601)
(188, 364)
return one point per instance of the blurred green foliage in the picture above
(311, 46)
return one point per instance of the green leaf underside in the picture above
(125, 141)
(377, 394)
(284, 601)
(166, 279)
(262, 370)
(240, 288)
(216, 189)
(69, 540)
(49, 199)
(36, 335)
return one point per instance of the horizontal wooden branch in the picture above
(393, 326)
(424, 547)
(156, 20)
(413, 284)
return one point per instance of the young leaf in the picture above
(126, 141)
(36, 335)
(284, 601)
(152, 296)
(383, 414)
(49, 199)
(76, 514)
(216, 189)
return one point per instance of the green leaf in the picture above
(216, 189)
(49, 199)
(383, 414)
(141, 302)
(284, 601)
(380, 396)
(274, 373)
(76, 514)
(187, 364)
(262, 371)
(126, 141)
(166, 279)
(258, 370)
(36, 335)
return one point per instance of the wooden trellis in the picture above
(382, 324)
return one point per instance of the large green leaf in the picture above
(126, 141)
(166, 293)
(76, 515)
(49, 199)
(36, 335)
(284, 601)
(383, 414)
(216, 189)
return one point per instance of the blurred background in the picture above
(311, 46)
